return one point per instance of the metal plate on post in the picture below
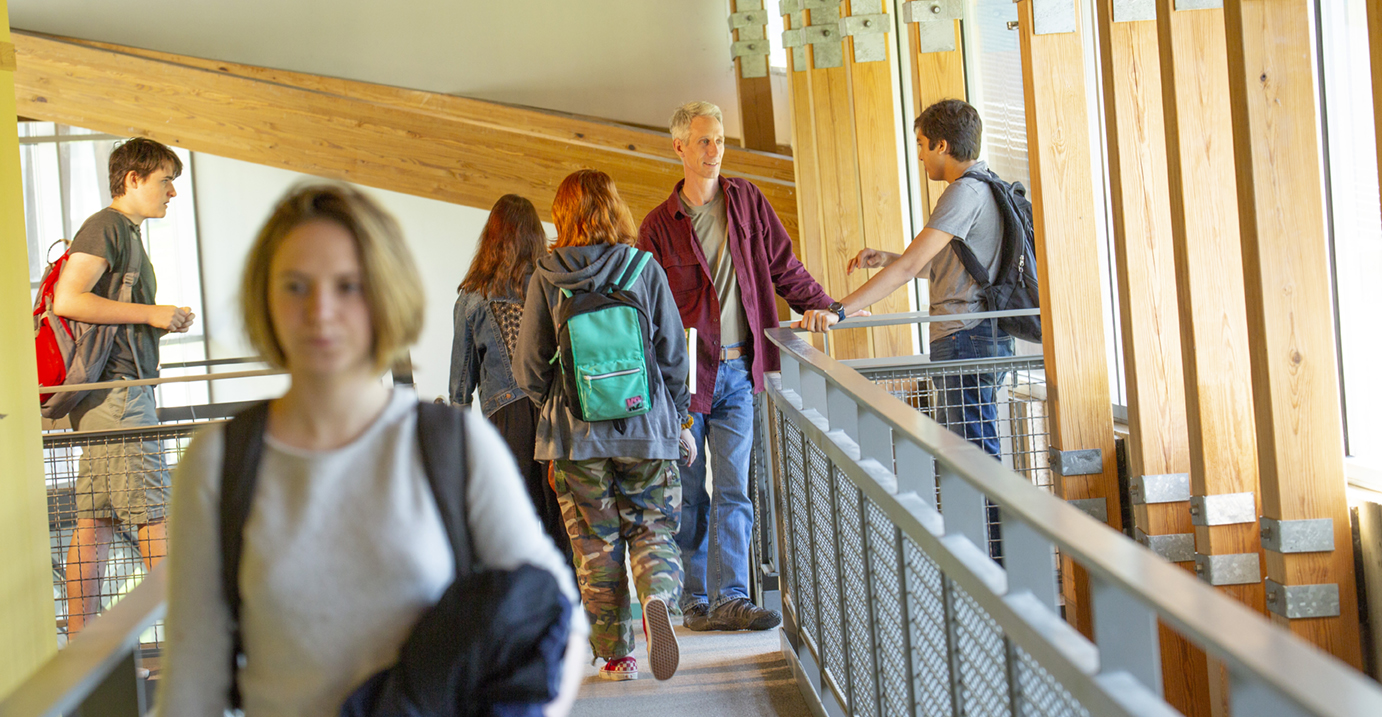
(1096, 508)
(935, 21)
(870, 33)
(1134, 10)
(748, 18)
(1232, 569)
(752, 56)
(1224, 509)
(825, 44)
(1199, 5)
(1172, 547)
(788, 7)
(1302, 601)
(1086, 462)
(1159, 488)
(1298, 536)
(1052, 17)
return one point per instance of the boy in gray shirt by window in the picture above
(948, 134)
(119, 482)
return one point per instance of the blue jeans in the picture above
(969, 407)
(715, 532)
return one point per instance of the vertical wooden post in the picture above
(936, 75)
(751, 74)
(1375, 53)
(876, 93)
(26, 577)
(1295, 380)
(1068, 266)
(1158, 446)
(1213, 316)
(809, 243)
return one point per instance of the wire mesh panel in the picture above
(856, 576)
(928, 627)
(821, 477)
(122, 478)
(804, 584)
(999, 405)
(982, 657)
(1038, 694)
(888, 605)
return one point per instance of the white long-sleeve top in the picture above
(343, 551)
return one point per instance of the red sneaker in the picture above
(620, 668)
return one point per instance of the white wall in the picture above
(233, 200)
(626, 60)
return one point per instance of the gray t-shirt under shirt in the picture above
(112, 236)
(968, 211)
(711, 222)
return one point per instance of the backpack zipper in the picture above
(612, 374)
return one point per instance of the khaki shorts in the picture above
(120, 479)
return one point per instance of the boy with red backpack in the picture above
(119, 483)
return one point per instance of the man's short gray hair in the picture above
(687, 113)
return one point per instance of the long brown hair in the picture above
(588, 210)
(510, 245)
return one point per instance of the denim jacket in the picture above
(480, 355)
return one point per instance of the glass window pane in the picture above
(995, 87)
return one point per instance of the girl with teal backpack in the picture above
(601, 350)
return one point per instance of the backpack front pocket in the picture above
(613, 390)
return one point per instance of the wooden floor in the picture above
(734, 673)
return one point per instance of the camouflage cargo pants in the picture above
(608, 504)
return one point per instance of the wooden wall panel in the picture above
(1375, 53)
(1157, 439)
(1068, 267)
(809, 248)
(936, 76)
(1300, 444)
(27, 621)
(437, 146)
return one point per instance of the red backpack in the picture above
(73, 352)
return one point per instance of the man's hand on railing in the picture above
(820, 320)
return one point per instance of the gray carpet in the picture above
(721, 674)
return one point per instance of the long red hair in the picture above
(588, 210)
(510, 245)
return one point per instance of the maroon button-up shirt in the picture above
(763, 263)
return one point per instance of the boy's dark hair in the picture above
(142, 156)
(956, 122)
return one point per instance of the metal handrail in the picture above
(93, 660)
(161, 380)
(846, 415)
(916, 317)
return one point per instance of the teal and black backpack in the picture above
(604, 344)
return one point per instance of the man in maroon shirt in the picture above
(726, 254)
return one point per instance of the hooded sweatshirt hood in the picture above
(591, 267)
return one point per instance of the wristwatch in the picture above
(838, 309)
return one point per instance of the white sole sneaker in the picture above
(664, 654)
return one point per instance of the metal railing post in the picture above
(962, 506)
(1126, 632)
(916, 470)
(1030, 561)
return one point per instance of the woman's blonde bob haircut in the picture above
(393, 288)
(588, 210)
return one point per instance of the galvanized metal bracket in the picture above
(870, 33)
(1052, 17)
(791, 39)
(826, 47)
(1232, 569)
(1096, 508)
(752, 56)
(1173, 547)
(1159, 488)
(1086, 462)
(1199, 5)
(1134, 10)
(1302, 601)
(1298, 536)
(1224, 509)
(935, 21)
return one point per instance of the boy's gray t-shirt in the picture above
(968, 211)
(112, 236)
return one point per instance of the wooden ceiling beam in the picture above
(428, 144)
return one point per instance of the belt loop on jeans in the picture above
(729, 353)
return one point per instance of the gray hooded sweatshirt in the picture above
(560, 434)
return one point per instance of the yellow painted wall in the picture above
(26, 578)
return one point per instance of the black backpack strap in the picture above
(244, 445)
(441, 436)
